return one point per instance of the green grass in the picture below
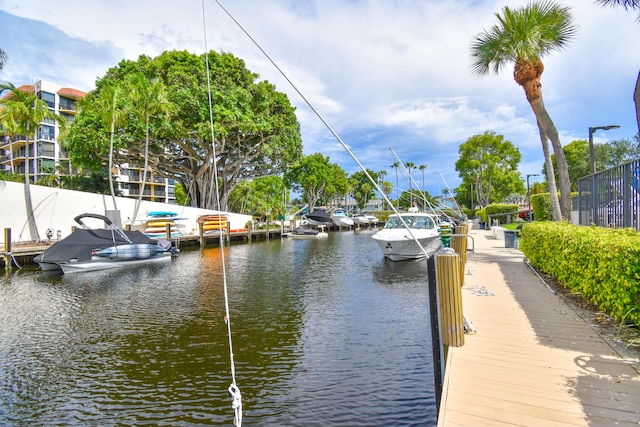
(511, 226)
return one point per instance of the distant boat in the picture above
(341, 219)
(360, 219)
(305, 233)
(373, 219)
(89, 249)
(319, 218)
(397, 244)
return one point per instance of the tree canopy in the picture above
(318, 179)
(488, 167)
(255, 131)
(361, 188)
(607, 155)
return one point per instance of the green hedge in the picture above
(498, 208)
(602, 264)
(541, 205)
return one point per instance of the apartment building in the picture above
(43, 154)
(47, 157)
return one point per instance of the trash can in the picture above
(481, 225)
(510, 237)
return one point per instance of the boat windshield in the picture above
(413, 221)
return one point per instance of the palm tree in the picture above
(396, 165)
(3, 58)
(151, 98)
(409, 166)
(107, 101)
(629, 4)
(422, 168)
(10, 129)
(523, 36)
(22, 111)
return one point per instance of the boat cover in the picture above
(81, 243)
(319, 216)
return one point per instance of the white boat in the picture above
(397, 243)
(305, 233)
(88, 249)
(341, 219)
(360, 219)
(373, 220)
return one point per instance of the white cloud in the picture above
(382, 73)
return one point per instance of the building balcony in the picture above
(15, 141)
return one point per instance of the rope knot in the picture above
(236, 403)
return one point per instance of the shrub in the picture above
(599, 263)
(499, 208)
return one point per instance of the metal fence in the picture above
(611, 198)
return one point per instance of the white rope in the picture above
(234, 391)
(236, 404)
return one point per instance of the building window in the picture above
(68, 116)
(46, 164)
(48, 98)
(47, 149)
(67, 104)
(47, 132)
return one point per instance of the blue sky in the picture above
(383, 73)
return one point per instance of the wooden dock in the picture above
(533, 360)
(23, 253)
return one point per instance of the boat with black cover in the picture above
(89, 249)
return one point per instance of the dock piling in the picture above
(448, 272)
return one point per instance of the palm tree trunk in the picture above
(544, 120)
(13, 169)
(31, 219)
(636, 100)
(528, 75)
(113, 123)
(144, 172)
(551, 176)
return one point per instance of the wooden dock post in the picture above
(459, 242)
(201, 234)
(448, 274)
(7, 249)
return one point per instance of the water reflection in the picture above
(324, 332)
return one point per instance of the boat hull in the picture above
(130, 252)
(360, 220)
(396, 249)
(406, 239)
(342, 221)
(101, 263)
(320, 235)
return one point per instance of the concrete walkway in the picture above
(533, 360)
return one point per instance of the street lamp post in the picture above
(529, 193)
(592, 156)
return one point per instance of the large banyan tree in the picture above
(157, 111)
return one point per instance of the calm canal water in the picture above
(325, 332)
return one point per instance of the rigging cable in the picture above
(233, 390)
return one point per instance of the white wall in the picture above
(55, 208)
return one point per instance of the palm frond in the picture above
(626, 4)
(529, 32)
